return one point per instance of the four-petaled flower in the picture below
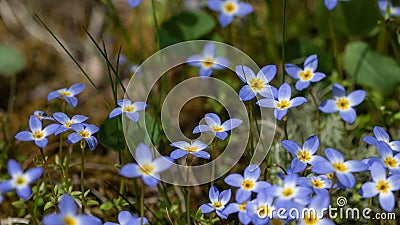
(126, 218)
(229, 9)
(37, 133)
(382, 136)
(282, 102)
(217, 203)
(184, 148)
(256, 84)
(247, 183)
(319, 183)
(331, 4)
(42, 115)
(146, 167)
(130, 109)
(388, 159)
(84, 132)
(208, 61)
(134, 3)
(68, 94)
(68, 214)
(306, 75)
(337, 165)
(66, 122)
(303, 155)
(385, 5)
(20, 181)
(214, 125)
(343, 103)
(382, 185)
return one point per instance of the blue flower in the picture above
(247, 183)
(240, 208)
(146, 167)
(214, 125)
(229, 9)
(382, 136)
(134, 3)
(66, 122)
(20, 181)
(331, 4)
(319, 183)
(382, 185)
(217, 203)
(303, 155)
(261, 209)
(208, 61)
(256, 84)
(68, 214)
(37, 134)
(306, 75)
(184, 148)
(388, 159)
(126, 218)
(383, 6)
(343, 103)
(314, 213)
(68, 94)
(84, 132)
(282, 102)
(343, 170)
(42, 115)
(130, 109)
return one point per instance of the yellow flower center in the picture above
(216, 128)
(390, 162)
(329, 175)
(69, 220)
(340, 167)
(310, 218)
(66, 93)
(128, 108)
(256, 84)
(306, 75)
(84, 133)
(217, 205)
(342, 103)
(242, 207)
(263, 211)
(287, 192)
(229, 7)
(275, 221)
(317, 183)
(208, 62)
(383, 186)
(284, 104)
(304, 156)
(20, 181)
(68, 124)
(38, 135)
(191, 149)
(248, 184)
(146, 169)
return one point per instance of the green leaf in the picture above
(106, 206)
(370, 68)
(92, 203)
(111, 134)
(12, 61)
(186, 26)
(48, 205)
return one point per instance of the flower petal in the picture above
(231, 124)
(348, 115)
(130, 170)
(368, 190)
(206, 208)
(53, 219)
(202, 154)
(334, 155)
(14, 169)
(195, 60)
(41, 143)
(221, 135)
(381, 134)
(269, 72)
(356, 97)
(24, 136)
(139, 106)
(266, 102)
(355, 166)
(331, 4)
(252, 172)
(244, 9)
(225, 196)
(72, 101)
(34, 173)
(338, 90)
(284, 92)
(347, 179)
(246, 93)
(279, 114)
(297, 101)
(214, 117)
(225, 19)
(328, 106)
(52, 95)
(134, 3)
(74, 138)
(291, 146)
(150, 181)
(134, 116)
(301, 85)
(201, 128)
(311, 62)
(86, 219)
(115, 112)
(220, 63)
(242, 195)
(205, 72)
(242, 70)
(35, 123)
(161, 164)
(311, 144)
(92, 142)
(143, 154)
(317, 77)
(292, 70)
(234, 180)
(76, 89)
(387, 201)
(209, 50)
(67, 205)
(213, 194)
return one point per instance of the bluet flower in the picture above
(68, 94)
(319, 183)
(217, 203)
(382, 185)
(388, 159)
(208, 61)
(66, 122)
(134, 3)
(283, 102)
(146, 167)
(343, 103)
(262, 208)
(20, 181)
(256, 84)
(68, 214)
(84, 132)
(184, 148)
(342, 169)
(238, 207)
(37, 133)
(331, 4)
(384, 5)
(214, 125)
(130, 109)
(42, 115)
(247, 183)
(382, 135)
(126, 218)
(303, 155)
(229, 9)
(307, 74)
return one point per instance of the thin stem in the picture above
(283, 41)
(13, 86)
(155, 22)
(142, 203)
(189, 159)
(47, 171)
(335, 47)
(251, 128)
(317, 115)
(346, 138)
(83, 145)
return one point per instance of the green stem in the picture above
(47, 171)
(283, 41)
(317, 115)
(335, 47)
(142, 203)
(188, 164)
(83, 145)
(13, 86)
(155, 22)
(251, 128)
